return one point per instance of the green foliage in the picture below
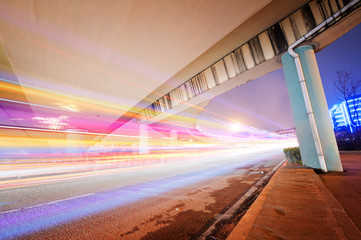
(293, 155)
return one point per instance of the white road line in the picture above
(43, 204)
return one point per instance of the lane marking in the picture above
(43, 204)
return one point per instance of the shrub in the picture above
(293, 155)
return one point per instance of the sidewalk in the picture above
(297, 204)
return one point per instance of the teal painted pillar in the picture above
(319, 106)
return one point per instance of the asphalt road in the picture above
(171, 200)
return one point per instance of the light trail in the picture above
(62, 131)
(45, 95)
(115, 146)
(48, 96)
(32, 171)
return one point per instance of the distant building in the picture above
(340, 116)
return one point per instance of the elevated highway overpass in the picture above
(79, 75)
(252, 50)
(102, 65)
(316, 24)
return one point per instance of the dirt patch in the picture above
(194, 192)
(185, 225)
(135, 229)
(191, 224)
(177, 207)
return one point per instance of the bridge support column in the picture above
(143, 138)
(174, 136)
(319, 106)
(75, 141)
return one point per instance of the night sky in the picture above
(264, 103)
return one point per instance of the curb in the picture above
(248, 195)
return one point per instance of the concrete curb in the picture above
(230, 212)
(250, 217)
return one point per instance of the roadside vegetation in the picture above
(293, 155)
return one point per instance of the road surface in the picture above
(171, 200)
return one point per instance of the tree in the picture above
(347, 89)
